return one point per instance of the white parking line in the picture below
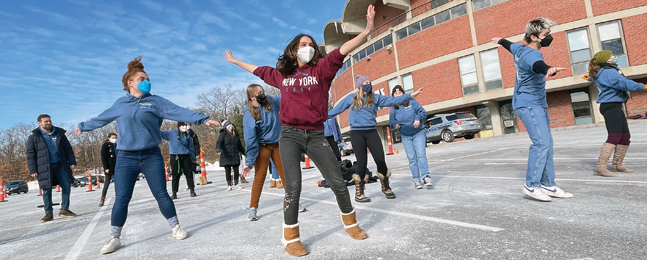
(408, 215)
(556, 179)
(80, 243)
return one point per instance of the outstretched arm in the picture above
(349, 46)
(246, 66)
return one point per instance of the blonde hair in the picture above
(358, 99)
(251, 92)
(535, 27)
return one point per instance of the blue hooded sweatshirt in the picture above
(139, 120)
(611, 84)
(364, 119)
(331, 128)
(405, 116)
(266, 130)
(182, 146)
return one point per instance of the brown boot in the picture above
(279, 184)
(47, 217)
(359, 189)
(605, 153)
(352, 227)
(242, 180)
(272, 183)
(618, 157)
(386, 189)
(292, 241)
(66, 213)
(103, 199)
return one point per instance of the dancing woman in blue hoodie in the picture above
(613, 88)
(363, 132)
(139, 116)
(409, 119)
(182, 152)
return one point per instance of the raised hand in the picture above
(370, 17)
(78, 131)
(553, 70)
(229, 57)
(212, 122)
(496, 40)
(417, 92)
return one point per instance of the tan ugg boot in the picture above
(103, 199)
(242, 180)
(279, 184)
(272, 183)
(386, 189)
(618, 157)
(605, 153)
(292, 241)
(359, 189)
(352, 227)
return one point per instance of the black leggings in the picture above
(106, 183)
(362, 139)
(228, 173)
(181, 161)
(334, 147)
(616, 123)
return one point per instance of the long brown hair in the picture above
(594, 67)
(133, 67)
(287, 62)
(251, 92)
(358, 99)
(398, 87)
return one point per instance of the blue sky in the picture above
(66, 57)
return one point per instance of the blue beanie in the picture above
(359, 80)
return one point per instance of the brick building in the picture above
(444, 46)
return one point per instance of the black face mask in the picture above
(545, 42)
(261, 98)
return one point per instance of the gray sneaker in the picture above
(427, 180)
(417, 185)
(302, 208)
(252, 215)
(111, 245)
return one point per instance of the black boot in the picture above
(174, 196)
(193, 193)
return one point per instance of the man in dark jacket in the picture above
(50, 159)
(109, 160)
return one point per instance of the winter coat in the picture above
(230, 148)
(38, 157)
(109, 157)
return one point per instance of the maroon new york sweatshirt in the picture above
(304, 93)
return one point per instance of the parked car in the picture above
(345, 146)
(83, 181)
(17, 187)
(446, 127)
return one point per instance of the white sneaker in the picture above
(111, 245)
(179, 233)
(417, 185)
(237, 187)
(536, 193)
(229, 188)
(427, 180)
(302, 208)
(555, 191)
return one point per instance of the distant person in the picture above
(182, 152)
(139, 116)
(109, 160)
(275, 181)
(333, 136)
(51, 161)
(230, 148)
(614, 89)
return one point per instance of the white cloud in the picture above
(258, 39)
(155, 7)
(279, 22)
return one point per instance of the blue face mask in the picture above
(144, 87)
(367, 88)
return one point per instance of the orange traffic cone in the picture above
(166, 170)
(89, 182)
(58, 188)
(40, 192)
(203, 170)
(388, 140)
(307, 163)
(3, 191)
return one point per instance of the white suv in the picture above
(446, 127)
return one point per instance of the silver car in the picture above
(446, 127)
(345, 146)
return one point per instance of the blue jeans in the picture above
(417, 154)
(56, 171)
(541, 169)
(129, 164)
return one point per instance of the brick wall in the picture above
(384, 14)
(610, 6)
(560, 110)
(634, 32)
(381, 63)
(638, 102)
(510, 17)
(342, 85)
(441, 82)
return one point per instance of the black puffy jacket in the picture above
(38, 157)
(231, 148)
(109, 157)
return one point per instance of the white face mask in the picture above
(183, 128)
(113, 140)
(230, 128)
(305, 54)
(188, 127)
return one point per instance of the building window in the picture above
(442, 17)
(491, 69)
(458, 10)
(437, 3)
(376, 46)
(407, 81)
(480, 4)
(343, 68)
(578, 44)
(468, 75)
(581, 106)
(427, 22)
(401, 34)
(611, 39)
(392, 83)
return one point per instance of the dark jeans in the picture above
(183, 162)
(292, 144)
(106, 183)
(228, 169)
(334, 147)
(362, 139)
(616, 123)
(129, 164)
(56, 171)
